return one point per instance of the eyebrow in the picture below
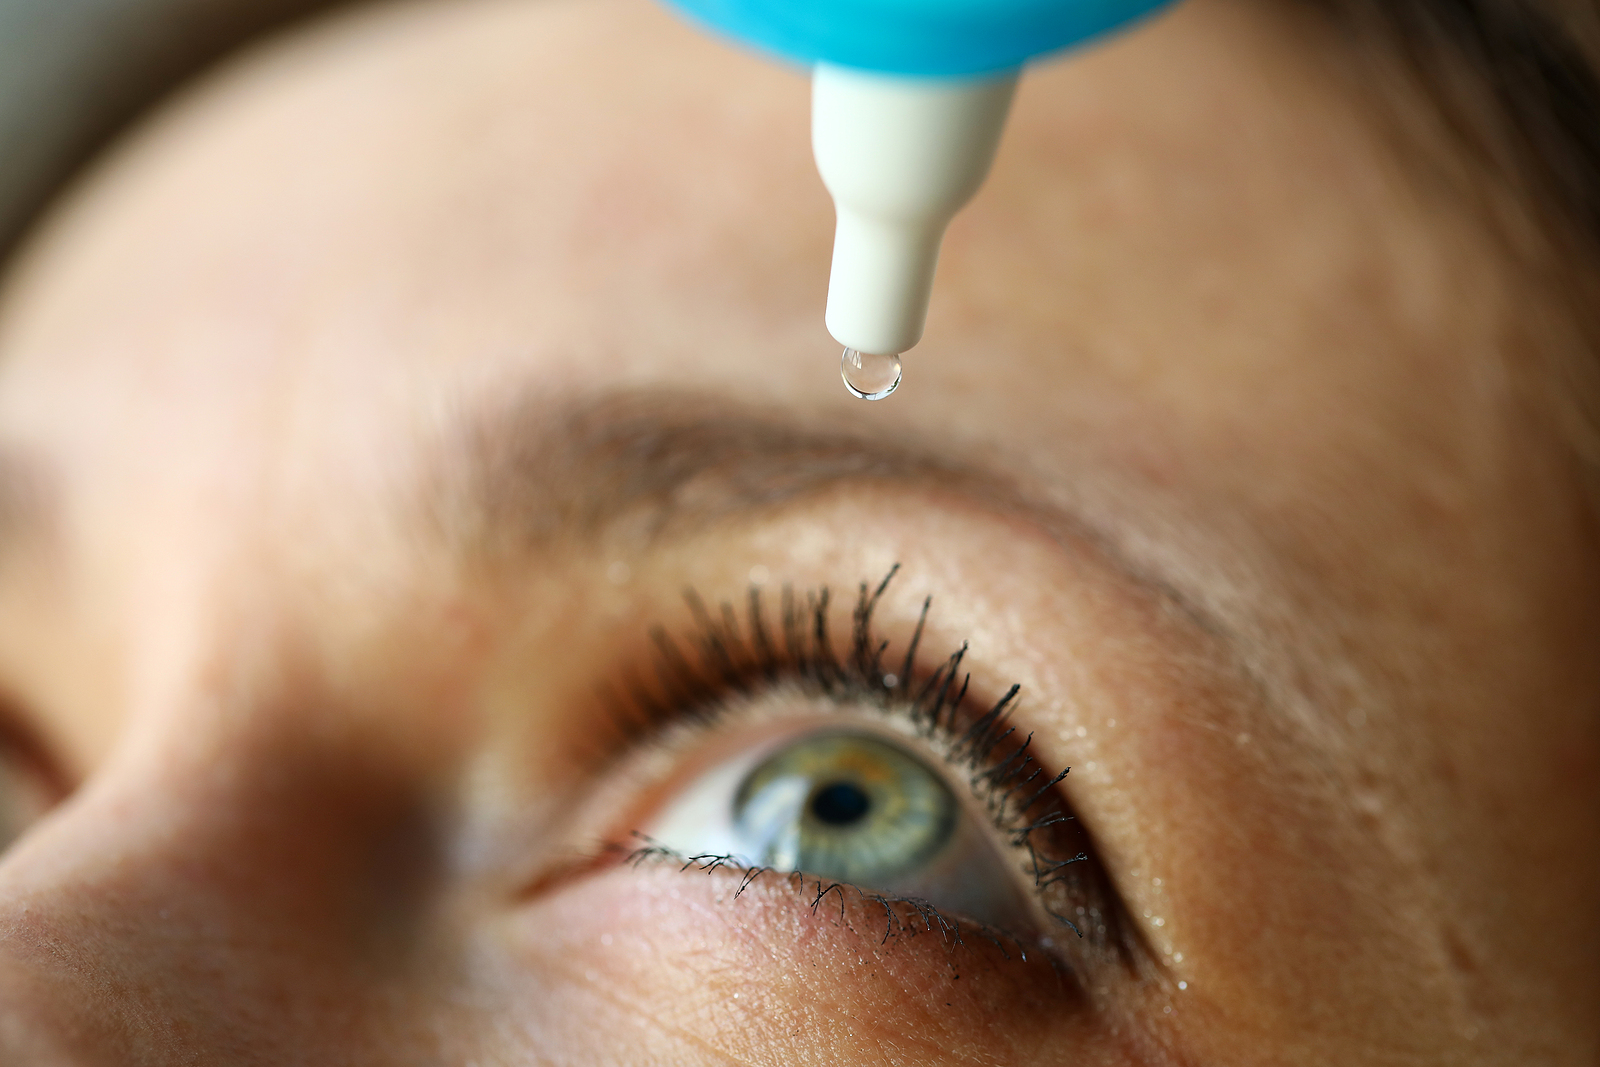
(650, 464)
(659, 462)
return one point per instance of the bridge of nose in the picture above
(247, 911)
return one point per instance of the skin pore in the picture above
(364, 413)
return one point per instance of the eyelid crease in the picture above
(1021, 798)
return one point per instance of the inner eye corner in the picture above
(32, 781)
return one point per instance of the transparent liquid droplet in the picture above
(868, 376)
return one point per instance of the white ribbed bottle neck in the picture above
(900, 156)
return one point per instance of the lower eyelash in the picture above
(901, 915)
(1021, 797)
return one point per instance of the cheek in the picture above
(667, 964)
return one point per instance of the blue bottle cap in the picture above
(931, 38)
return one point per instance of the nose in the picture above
(47, 1016)
(266, 905)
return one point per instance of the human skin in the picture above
(364, 413)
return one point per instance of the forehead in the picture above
(296, 286)
(440, 203)
(1198, 298)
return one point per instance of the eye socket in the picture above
(770, 690)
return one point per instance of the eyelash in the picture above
(726, 660)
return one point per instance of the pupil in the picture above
(839, 804)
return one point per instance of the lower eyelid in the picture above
(689, 941)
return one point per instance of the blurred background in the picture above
(75, 72)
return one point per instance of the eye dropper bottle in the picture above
(908, 101)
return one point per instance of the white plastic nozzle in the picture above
(900, 156)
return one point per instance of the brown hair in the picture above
(1515, 81)
(1509, 89)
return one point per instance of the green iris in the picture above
(844, 805)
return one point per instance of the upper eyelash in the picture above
(1021, 797)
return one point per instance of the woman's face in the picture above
(366, 419)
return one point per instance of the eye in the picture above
(844, 805)
(850, 806)
(758, 744)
